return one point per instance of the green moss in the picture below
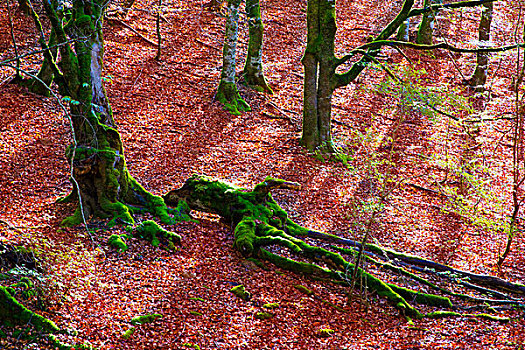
(26, 283)
(14, 313)
(118, 242)
(181, 212)
(325, 332)
(145, 319)
(198, 299)
(73, 220)
(263, 315)
(244, 236)
(127, 334)
(443, 314)
(241, 292)
(422, 298)
(303, 289)
(152, 232)
(271, 306)
(228, 95)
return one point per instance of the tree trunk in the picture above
(479, 77)
(99, 173)
(253, 70)
(319, 72)
(227, 92)
(426, 27)
(403, 33)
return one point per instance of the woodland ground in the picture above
(172, 128)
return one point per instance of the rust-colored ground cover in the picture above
(172, 128)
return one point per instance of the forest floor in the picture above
(172, 128)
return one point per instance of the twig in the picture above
(418, 187)
(207, 45)
(273, 116)
(133, 30)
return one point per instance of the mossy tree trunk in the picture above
(99, 175)
(426, 27)
(227, 92)
(253, 69)
(479, 77)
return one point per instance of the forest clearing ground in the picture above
(172, 128)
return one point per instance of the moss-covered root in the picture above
(145, 319)
(228, 96)
(443, 314)
(244, 236)
(12, 313)
(152, 232)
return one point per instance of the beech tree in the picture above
(320, 63)
(426, 26)
(227, 92)
(101, 182)
(479, 77)
(104, 188)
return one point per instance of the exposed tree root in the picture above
(263, 230)
(13, 313)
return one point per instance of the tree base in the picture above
(229, 96)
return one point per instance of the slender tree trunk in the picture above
(159, 36)
(310, 134)
(426, 27)
(327, 67)
(227, 92)
(479, 77)
(253, 70)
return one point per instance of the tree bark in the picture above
(319, 72)
(403, 33)
(253, 69)
(479, 77)
(100, 177)
(227, 92)
(426, 27)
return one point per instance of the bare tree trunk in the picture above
(479, 77)
(227, 92)
(426, 27)
(319, 73)
(403, 33)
